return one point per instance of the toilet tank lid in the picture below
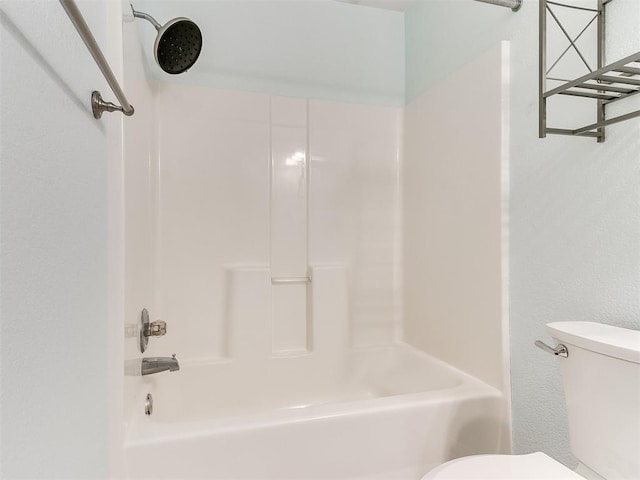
(616, 342)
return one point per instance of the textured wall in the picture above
(55, 377)
(574, 212)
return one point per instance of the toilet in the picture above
(601, 375)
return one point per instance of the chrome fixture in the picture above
(560, 350)
(148, 404)
(98, 106)
(156, 329)
(289, 280)
(178, 43)
(150, 329)
(514, 5)
(151, 365)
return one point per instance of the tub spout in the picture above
(159, 364)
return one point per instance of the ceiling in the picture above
(399, 5)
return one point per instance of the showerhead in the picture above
(178, 43)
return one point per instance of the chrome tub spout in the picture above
(159, 364)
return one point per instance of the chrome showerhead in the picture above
(178, 43)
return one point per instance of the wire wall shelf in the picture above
(605, 84)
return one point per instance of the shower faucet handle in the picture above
(156, 329)
(150, 329)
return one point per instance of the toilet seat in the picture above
(513, 467)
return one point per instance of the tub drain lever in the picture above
(560, 350)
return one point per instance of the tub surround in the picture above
(289, 261)
(138, 154)
(262, 183)
(455, 184)
(276, 237)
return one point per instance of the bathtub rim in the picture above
(143, 431)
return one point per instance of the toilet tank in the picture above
(602, 388)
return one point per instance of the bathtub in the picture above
(391, 412)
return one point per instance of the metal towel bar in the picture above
(98, 105)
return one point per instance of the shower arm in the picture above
(147, 17)
(514, 5)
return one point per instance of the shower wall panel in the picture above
(252, 187)
(289, 192)
(138, 152)
(355, 210)
(213, 209)
(455, 197)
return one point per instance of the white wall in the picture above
(314, 48)
(57, 358)
(574, 212)
(225, 177)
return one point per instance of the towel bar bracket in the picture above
(99, 106)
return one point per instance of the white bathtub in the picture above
(390, 412)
